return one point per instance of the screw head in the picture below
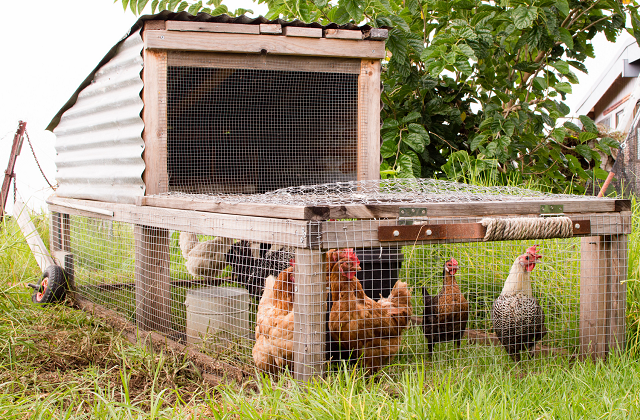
(577, 226)
(396, 233)
(429, 232)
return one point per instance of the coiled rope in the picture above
(527, 228)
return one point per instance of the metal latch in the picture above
(551, 210)
(406, 214)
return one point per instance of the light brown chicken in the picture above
(372, 329)
(273, 350)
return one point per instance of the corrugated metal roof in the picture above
(184, 16)
(99, 139)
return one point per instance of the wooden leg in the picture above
(602, 294)
(55, 243)
(617, 281)
(152, 279)
(309, 315)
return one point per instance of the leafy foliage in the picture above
(487, 78)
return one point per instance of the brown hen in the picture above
(273, 350)
(370, 329)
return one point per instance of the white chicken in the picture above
(205, 259)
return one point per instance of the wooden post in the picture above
(310, 305)
(603, 269)
(61, 249)
(154, 96)
(369, 120)
(152, 279)
(618, 277)
(54, 232)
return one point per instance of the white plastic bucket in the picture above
(219, 315)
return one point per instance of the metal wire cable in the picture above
(36, 159)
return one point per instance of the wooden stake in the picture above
(152, 279)
(310, 306)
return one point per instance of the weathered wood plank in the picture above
(260, 229)
(524, 207)
(618, 267)
(221, 42)
(309, 315)
(152, 278)
(264, 62)
(249, 209)
(31, 235)
(155, 25)
(593, 297)
(376, 34)
(271, 28)
(301, 31)
(230, 28)
(369, 120)
(364, 233)
(154, 115)
(342, 34)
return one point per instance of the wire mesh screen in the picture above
(278, 305)
(251, 124)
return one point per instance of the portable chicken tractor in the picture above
(180, 164)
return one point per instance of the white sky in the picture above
(48, 49)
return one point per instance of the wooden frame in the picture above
(152, 278)
(261, 44)
(603, 253)
(154, 96)
(309, 309)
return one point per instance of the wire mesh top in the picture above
(387, 191)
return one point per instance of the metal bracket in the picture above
(552, 210)
(406, 215)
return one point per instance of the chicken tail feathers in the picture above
(188, 241)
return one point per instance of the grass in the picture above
(57, 362)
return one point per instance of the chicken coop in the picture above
(218, 187)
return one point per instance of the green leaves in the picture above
(588, 124)
(524, 16)
(417, 138)
(474, 85)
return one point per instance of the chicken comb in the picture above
(292, 262)
(453, 260)
(533, 251)
(348, 253)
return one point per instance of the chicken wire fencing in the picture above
(246, 123)
(275, 305)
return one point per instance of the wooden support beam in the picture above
(230, 28)
(256, 44)
(431, 232)
(310, 306)
(603, 269)
(252, 209)
(260, 229)
(154, 115)
(369, 120)
(365, 233)
(152, 278)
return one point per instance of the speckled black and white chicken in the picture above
(518, 318)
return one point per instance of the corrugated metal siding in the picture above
(99, 140)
